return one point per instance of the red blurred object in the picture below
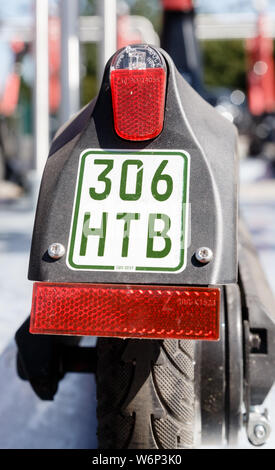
(182, 5)
(125, 311)
(17, 46)
(138, 102)
(54, 63)
(125, 35)
(261, 76)
(9, 99)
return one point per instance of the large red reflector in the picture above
(125, 311)
(138, 84)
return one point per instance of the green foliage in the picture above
(150, 9)
(25, 91)
(24, 114)
(88, 7)
(224, 63)
(89, 81)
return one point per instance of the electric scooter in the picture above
(137, 241)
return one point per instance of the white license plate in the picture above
(130, 211)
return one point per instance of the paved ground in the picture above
(26, 422)
(16, 220)
(70, 421)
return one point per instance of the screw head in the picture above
(204, 254)
(258, 426)
(254, 341)
(56, 250)
(260, 431)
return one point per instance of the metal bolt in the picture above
(259, 431)
(204, 254)
(258, 426)
(56, 250)
(255, 341)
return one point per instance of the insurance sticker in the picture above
(130, 211)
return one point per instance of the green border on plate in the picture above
(77, 203)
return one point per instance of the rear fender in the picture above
(190, 124)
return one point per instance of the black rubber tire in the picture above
(146, 394)
(20, 368)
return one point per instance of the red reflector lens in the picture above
(125, 311)
(182, 5)
(138, 102)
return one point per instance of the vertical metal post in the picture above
(108, 44)
(41, 85)
(70, 69)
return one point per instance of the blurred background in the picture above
(53, 54)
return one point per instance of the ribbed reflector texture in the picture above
(125, 311)
(138, 102)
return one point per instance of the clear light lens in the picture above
(138, 83)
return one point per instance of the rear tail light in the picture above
(138, 84)
(125, 311)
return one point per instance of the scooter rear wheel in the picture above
(146, 394)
